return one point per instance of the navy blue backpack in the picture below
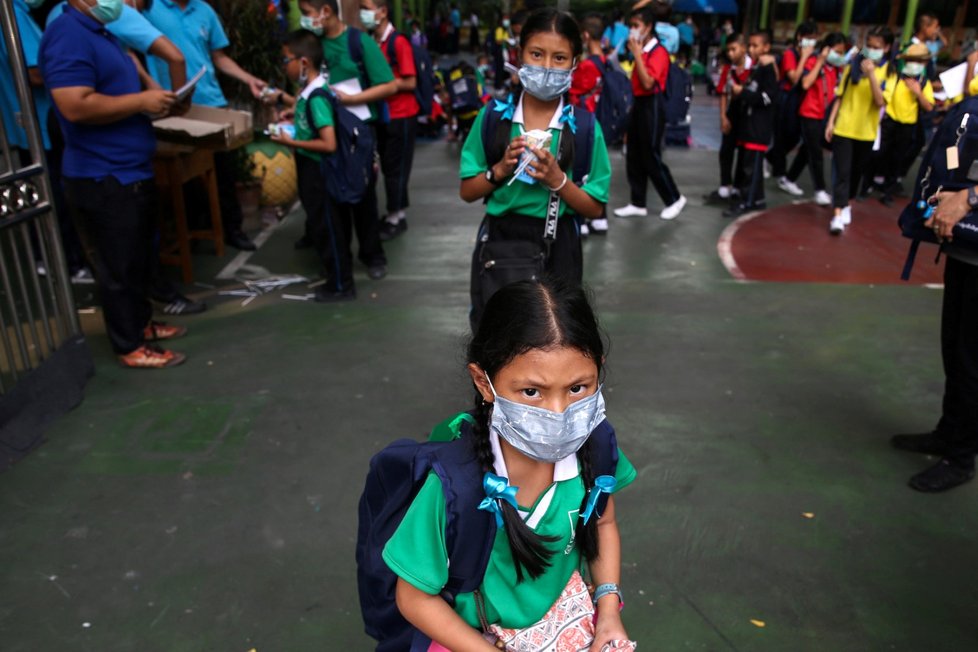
(396, 475)
(959, 129)
(424, 89)
(614, 103)
(350, 169)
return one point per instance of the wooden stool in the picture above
(174, 166)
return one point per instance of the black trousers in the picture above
(116, 223)
(336, 252)
(566, 259)
(850, 161)
(958, 426)
(750, 171)
(643, 162)
(810, 154)
(896, 145)
(395, 142)
(730, 173)
(225, 167)
(787, 131)
(312, 195)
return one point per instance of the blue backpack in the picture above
(424, 89)
(396, 475)
(678, 95)
(958, 129)
(614, 104)
(349, 170)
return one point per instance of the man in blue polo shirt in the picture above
(196, 29)
(108, 170)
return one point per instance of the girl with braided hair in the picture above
(538, 431)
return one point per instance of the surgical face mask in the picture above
(106, 11)
(836, 59)
(369, 18)
(543, 435)
(808, 43)
(34, 4)
(913, 69)
(506, 23)
(635, 34)
(311, 24)
(873, 54)
(545, 83)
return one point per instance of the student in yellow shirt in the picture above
(852, 126)
(907, 92)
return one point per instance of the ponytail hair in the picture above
(525, 316)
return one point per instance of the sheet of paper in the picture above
(953, 79)
(195, 128)
(352, 87)
(187, 89)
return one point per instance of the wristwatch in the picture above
(491, 177)
(972, 198)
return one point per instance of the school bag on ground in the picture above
(424, 89)
(396, 475)
(463, 89)
(349, 170)
(958, 132)
(678, 96)
(614, 104)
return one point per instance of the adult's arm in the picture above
(165, 49)
(230, 67)
(83, 105)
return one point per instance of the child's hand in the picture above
(545, 168)
(725, 126)
(829, 130)
(767, 60)
(807, 52)
(342, 97)
(736, 89)
(285, 115)
(824, 54)
(867, 66)
(282, 139)
(912, 85)
(511, 157)
(608, 628)
(635, 47)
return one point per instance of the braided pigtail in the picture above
(529, 549)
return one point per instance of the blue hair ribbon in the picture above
(507, 108)
(603, 484)
(497, 489)
(567, 116)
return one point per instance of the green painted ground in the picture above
(213, 506)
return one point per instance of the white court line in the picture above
(232, 268)
(725, 245)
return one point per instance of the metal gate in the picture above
(37, 313)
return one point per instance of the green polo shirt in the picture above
(341, 65)
(322, 116)
(417, 551)
(531, 199)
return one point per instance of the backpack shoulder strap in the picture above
(329, 97)
(493, 142)
(583, 144)
(392, 49)
(469, 531)
(355, 46)
(604, 456)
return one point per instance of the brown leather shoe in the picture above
(151, 357)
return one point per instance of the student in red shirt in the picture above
(395, 138)
(647, 125)
(787, 130)
(734, 73)
(818, 82)
(585, 90)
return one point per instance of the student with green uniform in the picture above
(535, 361)
(516, 208)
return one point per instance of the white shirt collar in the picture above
(387, 32)
(564, 469)
(318, 82)
(651, 44)
(555, 122)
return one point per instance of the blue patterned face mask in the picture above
(544, 435)
(545, 84)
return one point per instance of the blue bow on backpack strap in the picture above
(567, 116)
(603, 484)
(497, 489)
(506, 108)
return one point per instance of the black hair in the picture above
(737, 37)
(382, 4)
(304, 44)
(833, 39)
(518, 18)
(545, 20)
(593, 25)
(764, 34)
(644, 14)
(522, 317)
(807, 28)
(319, 4)
(662, 11)
(924, 19)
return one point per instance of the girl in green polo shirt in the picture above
(516, 209)
(536, 363)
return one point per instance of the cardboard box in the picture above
(208, 127)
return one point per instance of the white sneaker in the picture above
(767, 169)
(823, 198)
(790, 187)
(724, 192)
(83, 277)
(585, 231)
(631, 211)
(672, 211)
(847, 216)
(837, 225)
(599, 226)
(41, 269)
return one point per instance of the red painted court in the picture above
(792, 243)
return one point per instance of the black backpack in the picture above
(396, 475)
(424, 89)
(678, 95)
(959, 130)
(614, 103)
(463, 89)
(349, 170)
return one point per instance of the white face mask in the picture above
(635, 34)
(873, 54)
(369, 18)
(913, 69)
(314, 25)
(808, 43)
